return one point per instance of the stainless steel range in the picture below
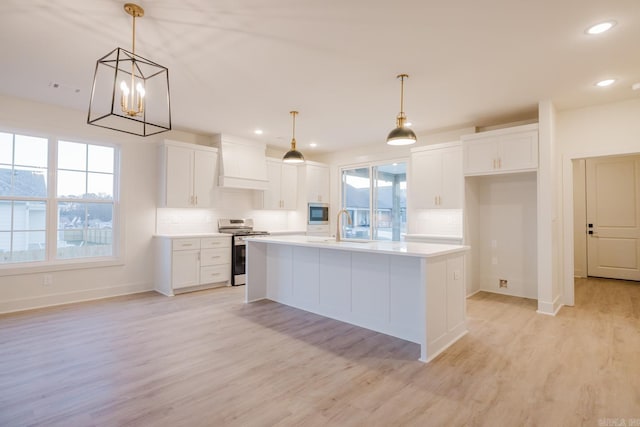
(239, 229)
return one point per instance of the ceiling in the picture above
(238, 65)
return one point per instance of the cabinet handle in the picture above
(196, 200)
(499, 163)
(494, 163)
(187, 244)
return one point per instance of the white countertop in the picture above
(437, 237)
(418, 249)
(191, 235)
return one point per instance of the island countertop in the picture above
(414, 249)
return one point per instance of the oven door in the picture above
(238, 261)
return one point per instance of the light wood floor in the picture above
(207, 359)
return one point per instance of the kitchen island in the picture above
(414, 291)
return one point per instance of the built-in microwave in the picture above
(318, 214)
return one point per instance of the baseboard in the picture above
(51, 300)
(473, 293)
(502, 293)
(550, 308)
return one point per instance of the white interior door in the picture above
(613, 217)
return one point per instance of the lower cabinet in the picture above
(184, 264)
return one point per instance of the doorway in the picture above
(607, 217)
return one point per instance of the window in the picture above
(70, 218)
(377, 205)
(85, 182)
(23, 198)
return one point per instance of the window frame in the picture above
(51, 262)
(370, 165)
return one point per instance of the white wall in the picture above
(549, 254)
(504, 247)
(579, 218)
(138, 201)
(601, 130)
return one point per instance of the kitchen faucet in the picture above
(340, 212)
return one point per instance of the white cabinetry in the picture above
(317, 183)
(188, 174)
(436, 177)
(282, 188)
(501, 151)
(192, 263)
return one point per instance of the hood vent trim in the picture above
(243, 164)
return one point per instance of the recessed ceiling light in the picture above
(605, 83)
(635, 86)
(601, 27)
(258, 132)
(313, 145)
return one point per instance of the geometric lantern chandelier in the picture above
(401, 135)
(130, 93)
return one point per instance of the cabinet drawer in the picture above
(215, 256)
(215, 273)
(185, 244)
(216, 242)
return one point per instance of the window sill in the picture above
(48, 267)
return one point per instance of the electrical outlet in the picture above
(494, 260)
(503, 283)
(47, 280)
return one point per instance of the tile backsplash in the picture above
(439, 222)
(233, 204)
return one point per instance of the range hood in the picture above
(243, 164)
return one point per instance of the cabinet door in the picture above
(204, 177)
(271, 196)
(452, 193)
(426, 178)
(185, 269)
(518, 151)
(317, 182)
(480, 156)
(179, 176)
(289, 186)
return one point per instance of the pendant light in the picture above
(401, 135)
(130, 93)
(293, 155)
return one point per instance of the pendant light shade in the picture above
(130, 93)
(293, 155)
(401, 135)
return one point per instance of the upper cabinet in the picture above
(436, 180)
(281, 192)
(317, 183)
(501, 151)
(188, 175)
